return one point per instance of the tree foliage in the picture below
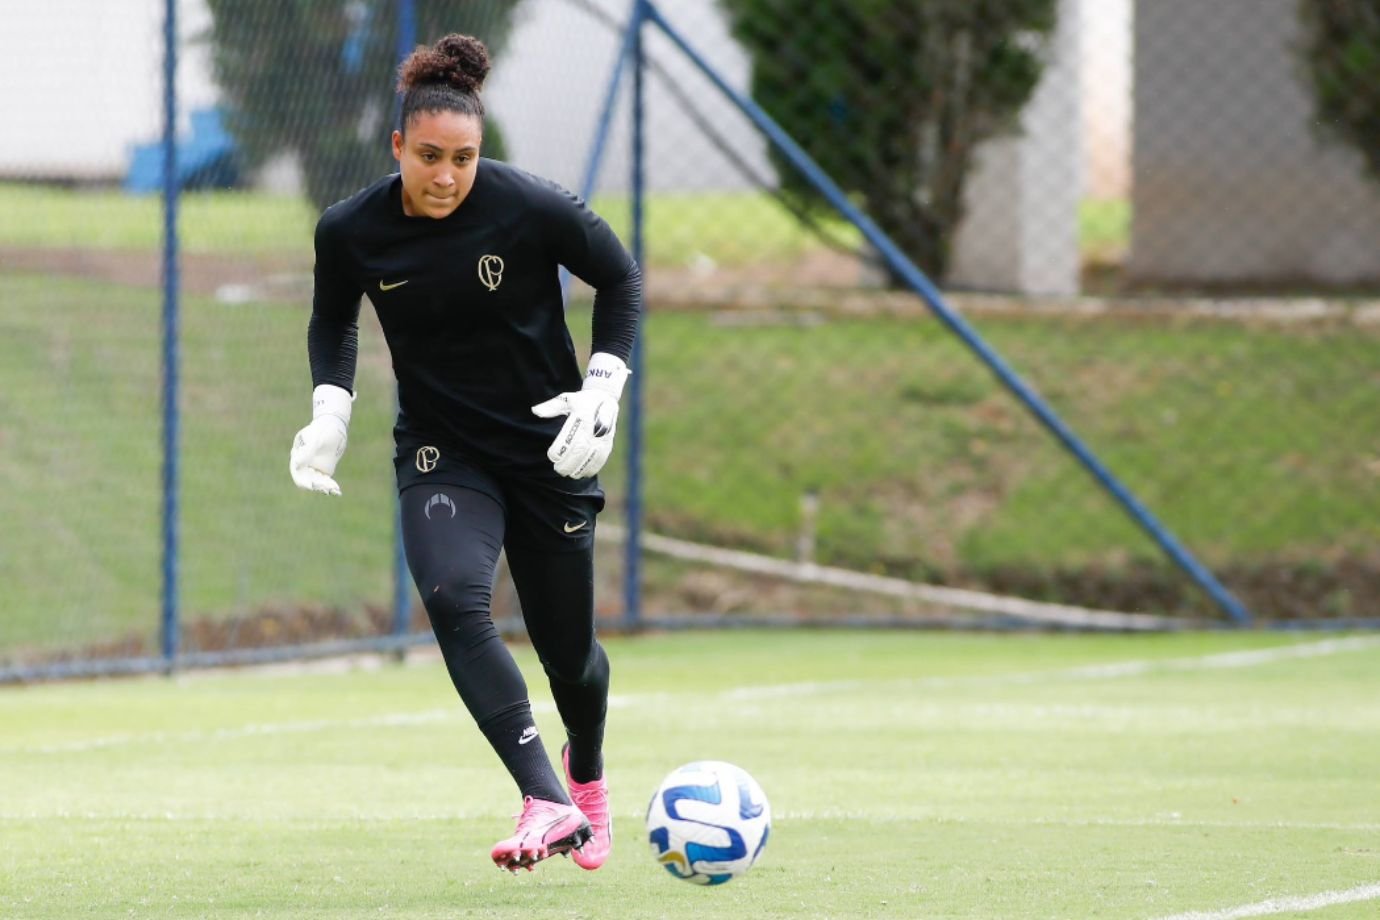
(891, 97)
(316, 78)
(1341, 62)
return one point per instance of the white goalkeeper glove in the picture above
(586, 439)
(317, 448)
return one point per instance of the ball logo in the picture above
(439, 500)
(491, 271)
(427, 458)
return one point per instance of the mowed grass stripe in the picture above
(821, 869)
(923, 782)
(1122, 669)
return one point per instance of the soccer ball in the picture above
(708, 822)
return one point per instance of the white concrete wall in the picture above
(546, 92)
(549, 87)
(1230, 183)
(1021, 229)
(82, 80)
(88, 74)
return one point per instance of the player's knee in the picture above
(581, 667)
(457, 605)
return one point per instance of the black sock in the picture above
(586, 753)
(513, 735)
(584, 707)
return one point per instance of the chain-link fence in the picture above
(1159, 215)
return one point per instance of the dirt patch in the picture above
(267, 277)
(820, 283)
(1280, 591)
(1346, 586)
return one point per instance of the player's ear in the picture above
(397, 146)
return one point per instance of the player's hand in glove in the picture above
(317, 448)
(586, 439)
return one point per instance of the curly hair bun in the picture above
(461, 61)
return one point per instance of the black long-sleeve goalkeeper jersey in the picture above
(471, 307)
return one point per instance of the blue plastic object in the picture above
(208, 159)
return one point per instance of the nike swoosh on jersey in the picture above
(389, 287)
(569, 528)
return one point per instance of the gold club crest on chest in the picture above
(491, 271)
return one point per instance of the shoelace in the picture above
(589, 797)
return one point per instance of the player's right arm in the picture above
(332, 349)
(583, 242)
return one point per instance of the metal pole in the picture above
(601, 132)
(402, 578)
(170, 630)
(632, 549)
(904, 268)
(407, 28)
(595, 159)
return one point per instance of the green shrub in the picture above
(1341, 61)
(892, 97)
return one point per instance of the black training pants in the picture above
(452, 536)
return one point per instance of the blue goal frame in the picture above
(631, 54)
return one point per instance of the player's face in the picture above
(437, 160)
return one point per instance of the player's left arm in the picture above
(584, 243)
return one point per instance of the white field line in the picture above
(1298, 904)
(957, 598)
(1115, 670)
(837, 814)
(1135, 668)
(1244, 659)
(801, 815)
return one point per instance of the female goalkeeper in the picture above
(498, 435)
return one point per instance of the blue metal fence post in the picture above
(632, 550)
(170, 626)
(595, 158)
(901, 264)
(402, 579)
(597, 146)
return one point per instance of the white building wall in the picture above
(549, 88)
(1021, 229)
(82, 80)
(1230, 183)
(88, 75)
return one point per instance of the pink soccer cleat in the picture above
(592, 798)
(543, 829)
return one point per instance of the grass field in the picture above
(913, 445)
(1247, 441)
(749, 227)
(911, 775)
